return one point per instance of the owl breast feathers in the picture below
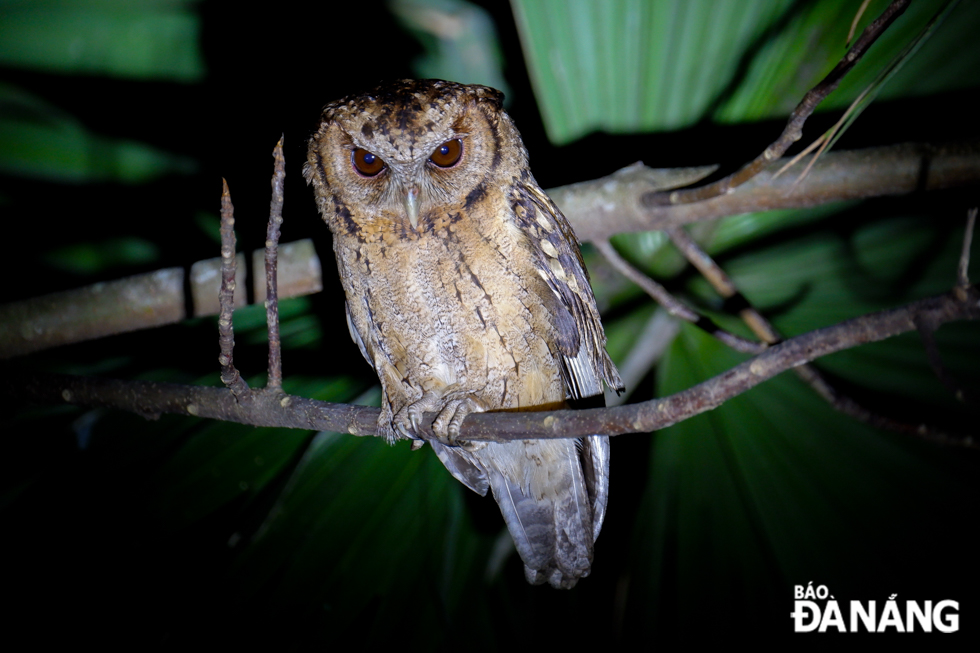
(466, 292)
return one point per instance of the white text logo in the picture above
(870, 616)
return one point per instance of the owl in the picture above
(466, 292)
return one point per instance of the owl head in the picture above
(408, 150)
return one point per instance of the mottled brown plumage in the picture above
(466, 292)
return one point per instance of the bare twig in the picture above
(659, 294)
(794, 127)
(722, 283)
(768, 333)
(927, 329)
(963, 269)
(856, 20)
(226, 333)
(271, 260)
(857, 107)
(275, 409)
(824, 141)
(674, 306)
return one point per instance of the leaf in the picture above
(658, 65)
(459, 38)
(151, 39)
(40, 141)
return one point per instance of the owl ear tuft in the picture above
(489, 95)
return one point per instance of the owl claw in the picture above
(451, 409)
(408, 420)
(415, 417)
(403, 432)
(446, 425)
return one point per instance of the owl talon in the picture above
(415, 417)
(401, 428)
(408, 420)
(446, 425)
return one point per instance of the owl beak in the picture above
(412, 206)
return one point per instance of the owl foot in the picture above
(446, 425)
(452, 410)
(388, 428)
(407, 422)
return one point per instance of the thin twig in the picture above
(927, 329)
(226, 296)
(794, 127)
(823, 142)
(722, 284)
(927, 332)
(963, 269)
(857, 19)
(857, 107)
(674, 306)
(659, 294)
(768, 333)
(271, 263)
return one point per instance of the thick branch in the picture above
(274, 409)
(611, 205)
(794, 126)
(143, 301)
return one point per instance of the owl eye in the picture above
(447, 154)
(366, 163)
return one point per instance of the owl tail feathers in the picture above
(549, 516)
(553, 535)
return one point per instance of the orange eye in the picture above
(366, 163)
(447, 154)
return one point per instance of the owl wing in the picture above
(356, 337)
(581, 340)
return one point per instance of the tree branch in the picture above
(226, 298)
(270, 408)
(271, 264)
(794, 126)
(144, 301)
(596, 209)
(673, 305)
(767, 332)
(614, 204)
